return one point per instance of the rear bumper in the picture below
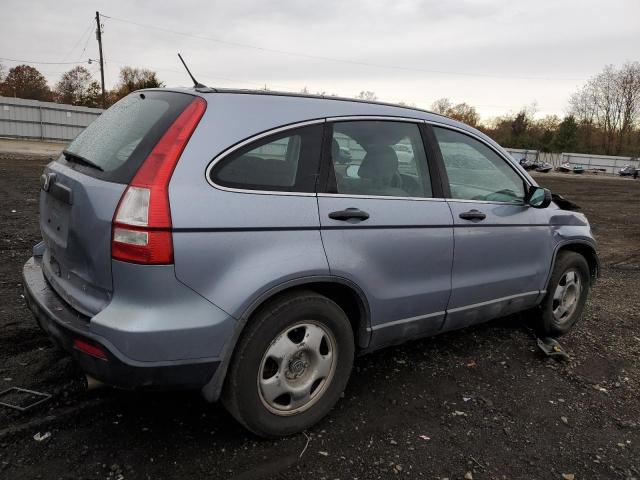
(64, 325)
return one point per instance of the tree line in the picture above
(75, 87)
(602, 117)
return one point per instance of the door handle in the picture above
(348, 214)
(473, 215)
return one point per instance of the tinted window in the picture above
(379, 158)
(475, 171)
(122, 137)
(285, 162)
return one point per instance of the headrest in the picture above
(380, 162)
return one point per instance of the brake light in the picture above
(141, 229)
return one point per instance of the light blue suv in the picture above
(249, 244)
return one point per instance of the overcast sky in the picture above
(497, 55)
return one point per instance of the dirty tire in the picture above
(243, 392)
(543, 318)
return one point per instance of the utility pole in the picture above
(99, 38)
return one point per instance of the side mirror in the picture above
(538, 197)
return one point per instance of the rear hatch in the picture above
(82, 188)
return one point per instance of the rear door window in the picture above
(121, 138)
(286, 162)
(379, 158)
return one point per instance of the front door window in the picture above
(475, 171)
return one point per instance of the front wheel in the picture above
(566, 295)
(291, 365)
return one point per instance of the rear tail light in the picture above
(141, 231)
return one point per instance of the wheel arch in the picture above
(346, 294)
(586, 249)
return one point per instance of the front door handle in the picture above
(473, 215)
(349, 214)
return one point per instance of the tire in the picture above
(300, 345)
(549, 319)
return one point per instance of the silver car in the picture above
(249, 244)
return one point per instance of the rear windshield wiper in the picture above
(74, 157)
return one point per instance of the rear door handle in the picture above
(348, 214)
(474, 215)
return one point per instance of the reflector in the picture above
(89, 349)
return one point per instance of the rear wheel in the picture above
(566, 295)
(291, 365)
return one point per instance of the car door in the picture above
(502, 245)
(384, 225)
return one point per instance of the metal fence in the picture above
(31, 119)
(607, 164)
(601, 163)
(520, 154)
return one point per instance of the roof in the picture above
(310, 95)
(240, 91)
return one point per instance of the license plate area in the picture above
(55, 222)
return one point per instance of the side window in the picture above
(287, 162)
(381, 158)
(475, 171)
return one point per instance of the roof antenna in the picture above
(196, 84)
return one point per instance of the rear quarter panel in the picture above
(231, 246)
(248, 245)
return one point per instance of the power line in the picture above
(84, 49)
(332, 59)
(78, 42)
(41, 63)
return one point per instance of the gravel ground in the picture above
(481, 403)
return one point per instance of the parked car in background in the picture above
(542, 167)
(216, 239)
(527, 164)
(628, 171)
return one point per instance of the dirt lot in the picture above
(483, 400)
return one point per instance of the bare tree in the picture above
(608, 106)
(582, 106)
(629, 91)
(2, 72)
(442, 106)
(611, 101)
(367, 95)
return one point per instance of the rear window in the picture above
(284, 162)
(123, 136)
